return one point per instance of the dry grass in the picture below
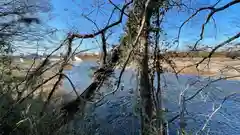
(195, 71)
(214, 67)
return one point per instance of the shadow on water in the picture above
(117, 113)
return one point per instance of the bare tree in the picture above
(140, 44)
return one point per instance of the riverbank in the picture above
(28, 67)
(216, 67)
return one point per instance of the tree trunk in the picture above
(104, 50)
(145, 87)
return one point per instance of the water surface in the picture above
(118, 113)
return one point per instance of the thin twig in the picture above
(105, 28)
(213, 11)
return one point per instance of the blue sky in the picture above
(68, 16)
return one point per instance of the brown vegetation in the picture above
(89, 56)
(173, 54)
(216, 67)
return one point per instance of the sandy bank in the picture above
(215, 67)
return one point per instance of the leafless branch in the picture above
(208, 84)
(105, 28)
(110, 1)
(214, 112)
(212, 52)
(213, 11)
(73, 87)
(65, 61)
(104, 49)
(218, 46)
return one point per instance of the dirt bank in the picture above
(215, 67)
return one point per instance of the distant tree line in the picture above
(194, 54)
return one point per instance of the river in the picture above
(117, 113)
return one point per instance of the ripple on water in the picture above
(116, 113)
